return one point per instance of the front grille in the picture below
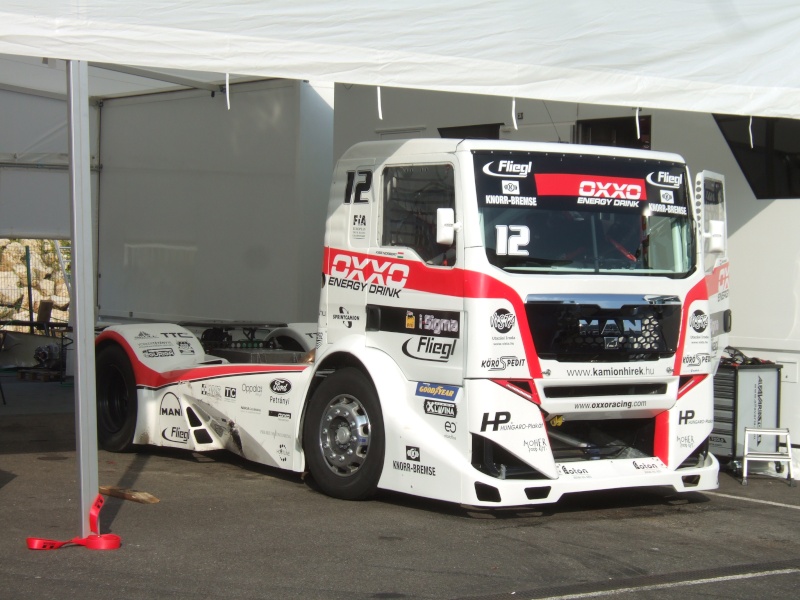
(585, 391)
(602, 439)
(569, 331)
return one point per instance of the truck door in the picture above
(710, 197)
(343, 299)
(415, 306)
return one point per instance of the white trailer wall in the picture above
(209, 213)
(34, 181)
(764, 246)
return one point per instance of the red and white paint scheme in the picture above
(500, 323)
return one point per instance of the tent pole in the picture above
(83, 286)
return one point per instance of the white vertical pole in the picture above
(82, 286)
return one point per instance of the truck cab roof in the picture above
(381, 150)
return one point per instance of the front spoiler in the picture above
(589, 476)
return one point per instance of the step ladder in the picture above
(777, 457)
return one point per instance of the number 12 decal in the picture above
(508, 244)
(361, 186)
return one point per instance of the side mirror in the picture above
(445, 226)
(715, 236)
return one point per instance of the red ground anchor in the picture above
(95, 541)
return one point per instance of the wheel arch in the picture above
(379, 368)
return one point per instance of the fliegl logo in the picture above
(508, 168)
(665, 179)
(429, 348)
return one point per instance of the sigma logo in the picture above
(441, 409)
(428, 348)
(502, 320)
(437, 325)
(161, 353)
(609, 327)
(665, 179)
(370, 270)
(412, 453)
(280, 386)
(699, 321)
(508, 168)
(502, 363)
(170, 406)
(610, 189)
(510, 187)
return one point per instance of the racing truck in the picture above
(500, 323)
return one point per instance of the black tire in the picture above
(117, 405)
(343, 436)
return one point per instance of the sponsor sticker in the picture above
(345, 317)
(280, 386)
(502, 363)
(699, 321)
(429, 348)
(158, 352)
(502, 320)
(441, 409)
(437, 391)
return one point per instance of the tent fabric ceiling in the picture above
(732, 56)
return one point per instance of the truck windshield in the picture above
(544, 212)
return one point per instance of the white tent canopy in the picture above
(733, 56)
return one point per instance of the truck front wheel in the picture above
(117, 405)
(343, 436)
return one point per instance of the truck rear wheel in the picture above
(343, 436)
(117, 404)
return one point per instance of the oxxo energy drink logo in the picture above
(384, 278)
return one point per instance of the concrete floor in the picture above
(225, 528)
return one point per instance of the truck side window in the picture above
(411, 195)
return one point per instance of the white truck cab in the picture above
(500, 323)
